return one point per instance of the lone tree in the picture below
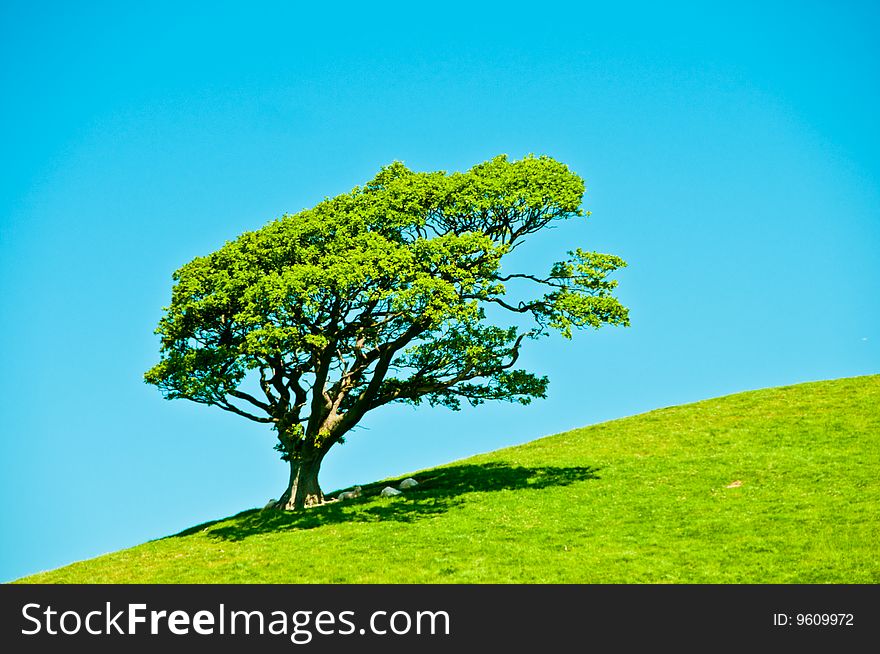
(380, 295)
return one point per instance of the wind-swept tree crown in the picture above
(380, 295)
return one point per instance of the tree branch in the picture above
(250, 398)
(234, 409)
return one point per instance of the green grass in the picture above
(639, 500)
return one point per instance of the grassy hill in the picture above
(779, 485)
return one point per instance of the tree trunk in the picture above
(303, 489)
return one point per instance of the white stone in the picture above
(269, 505)
(408, 483)
(389, 492)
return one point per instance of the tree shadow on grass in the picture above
(438, 491)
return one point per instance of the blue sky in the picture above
(731, 154)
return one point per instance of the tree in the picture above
(380, 295)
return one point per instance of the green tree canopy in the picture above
(381, 295)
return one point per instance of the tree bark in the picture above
(303, 489)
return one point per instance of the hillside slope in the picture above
(778, 485)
